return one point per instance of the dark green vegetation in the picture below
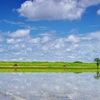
(97, 60)
(76, 67)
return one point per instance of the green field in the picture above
(48, 67)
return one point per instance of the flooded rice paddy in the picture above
(49, 86)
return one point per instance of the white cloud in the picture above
(91, 36)
(72, 38)
(98, 12)
(35, 40)
(24, 25)
(10, 40)
(20, 33)
(13, 23)
(1, 39)
(45, 39)
(88, 3)
(95, 35)
(36, 28)
(72, 47)
(15, 41)
(49, 47)
(1, 36)
(59, 43)
(55, 9)
(1, 50)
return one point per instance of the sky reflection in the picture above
(49, 86)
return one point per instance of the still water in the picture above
(49, 86)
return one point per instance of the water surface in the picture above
(49, 86)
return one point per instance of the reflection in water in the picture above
(77, 72)
(49, 86)
(97, 76)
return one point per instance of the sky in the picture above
(49, 30)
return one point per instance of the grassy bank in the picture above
(47, 67)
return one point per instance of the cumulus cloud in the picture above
(98, 12)
(14, 41)
(55, 9)
(72, 38)
(88, 3)
(91, 36)
(18, 36)
(1, 39)
(35, 40)
(49, 47)
(10, 41)
(46, 39)
(95, 35)
(20, 33)
(1, 36)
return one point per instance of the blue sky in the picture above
(49, 30)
